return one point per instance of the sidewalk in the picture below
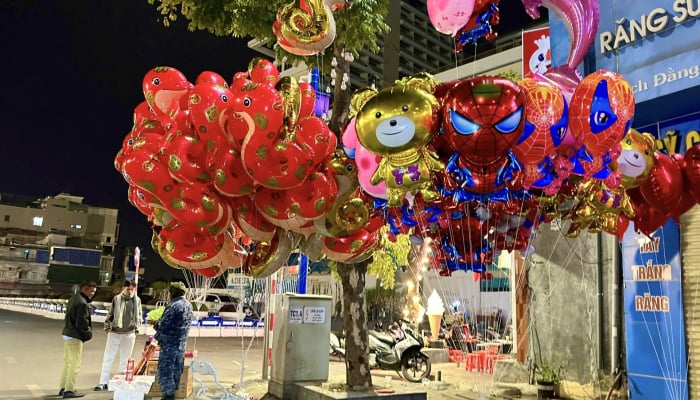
(238, 359)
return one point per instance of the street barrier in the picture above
(211, 326)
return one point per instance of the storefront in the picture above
(654, 46)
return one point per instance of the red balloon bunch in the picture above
(225, 171)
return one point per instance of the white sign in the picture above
(314, 315)
(296, 314)
(237, 281)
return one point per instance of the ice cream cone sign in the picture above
(434, 313)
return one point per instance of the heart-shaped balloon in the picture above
(665, 184)
(691, 171)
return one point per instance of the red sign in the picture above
(536, 54)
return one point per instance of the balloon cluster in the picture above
(477, 164)
(238, 175)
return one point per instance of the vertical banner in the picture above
(657, 368)
(537, 56)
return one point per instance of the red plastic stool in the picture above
(475, 360)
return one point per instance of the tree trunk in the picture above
(341, 97)
(357, 373)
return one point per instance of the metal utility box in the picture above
(300, 337)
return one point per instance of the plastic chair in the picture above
(206, 368)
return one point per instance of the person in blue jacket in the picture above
(171, 333)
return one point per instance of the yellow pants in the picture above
(72, 358)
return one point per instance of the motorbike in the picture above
(396, 351)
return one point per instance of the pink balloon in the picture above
(581, 18)
(448, 16)
(367, 162)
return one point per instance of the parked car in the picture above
(215, 301)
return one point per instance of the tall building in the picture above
(50, 243)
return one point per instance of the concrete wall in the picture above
(570, 302)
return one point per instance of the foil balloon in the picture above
(263, 72)
(448, 16)
(483, 118)
(268, 257)
(193, 250)
(484, 17)
(165, 90)
(347, 248)
(397, 124)
(602, 108)
(210, 272)
(312, 247)
(229, 175)
(209, 105)
(186, 157)
(348, 213)
(250, 220)
(691, 171)
(305, 27)
(366, 161)
(664, 187)
(636, 158)
(211, 78)
(546, 123)
(581, 18)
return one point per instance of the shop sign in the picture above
(537, 58)
(676, 135)
(652, 44)
(653, 307)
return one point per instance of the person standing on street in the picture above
(76, 331)
(122, 323)
(171, 333)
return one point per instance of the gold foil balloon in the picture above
(305, 27)
(636, 158)
(598, 208)
(397, 124)
(289, 90)
(268, 257)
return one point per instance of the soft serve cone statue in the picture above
(434, 312)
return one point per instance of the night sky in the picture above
(72, 74)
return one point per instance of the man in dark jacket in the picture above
(76, 331)
(171, 333)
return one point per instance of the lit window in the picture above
(76, 226)
(38, 221)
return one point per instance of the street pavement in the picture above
(31, 359)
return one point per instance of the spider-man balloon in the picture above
(601, 113)
(483, 118)
(546, 122)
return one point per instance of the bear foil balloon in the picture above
(397, 123)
